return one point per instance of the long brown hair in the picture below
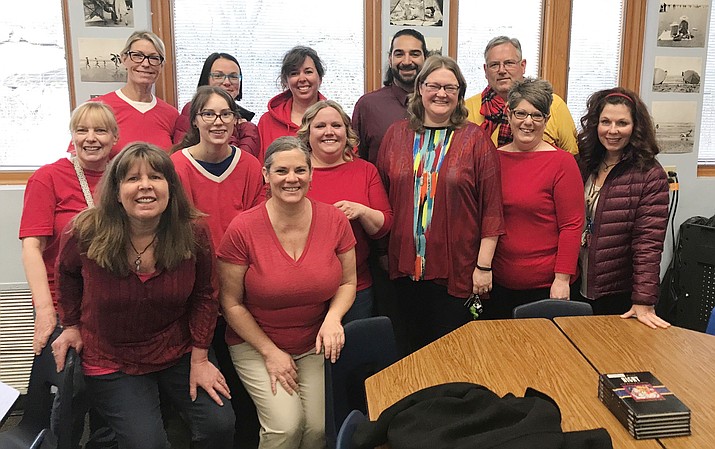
(642, 147)
(103, 231)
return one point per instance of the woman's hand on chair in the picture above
(69, 338)
(331, 339)
(45, 324)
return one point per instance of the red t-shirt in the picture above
(355, 181)
(288, 298)
(223, 197)
(53, 197)
(543, 216)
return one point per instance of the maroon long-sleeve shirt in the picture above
(133, 326)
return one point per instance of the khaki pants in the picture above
(287, 421)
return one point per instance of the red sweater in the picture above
(133, 326)
(53, 197)
(467, 205)
(288, 298)
(355, 181)
(276, 121)
(543, 215)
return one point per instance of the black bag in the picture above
(687, 295)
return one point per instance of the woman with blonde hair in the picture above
(348, 183)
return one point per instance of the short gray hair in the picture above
(503, 40)
(536, 91)
(147, 36)
(286, 143)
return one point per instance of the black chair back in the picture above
(552, 308)
(347, 430)
(35, 423)
(369, 347)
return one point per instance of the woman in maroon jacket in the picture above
(626, 195)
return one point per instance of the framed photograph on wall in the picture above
(95, 33)
(433, 18)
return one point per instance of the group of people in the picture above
(241, 253)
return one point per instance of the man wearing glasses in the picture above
(503, 66)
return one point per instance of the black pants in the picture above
(429, 311)
(502, 301)
(616, 304)
(131, 406)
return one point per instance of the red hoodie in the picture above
(276, 121)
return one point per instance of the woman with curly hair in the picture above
(626, 196)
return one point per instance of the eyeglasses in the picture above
(139, 57)
(210, 116)
(535, 116)
(434, 88)
(233, 78)
(509, 64)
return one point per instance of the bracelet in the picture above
(480, 268)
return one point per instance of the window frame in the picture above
(555, 40)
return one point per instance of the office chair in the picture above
(551, 308)
(369, 347)
(348, 428)
(33, 429)
(711, 324)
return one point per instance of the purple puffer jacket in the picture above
(629, 229)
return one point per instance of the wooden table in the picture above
(506, 356)
(682, 359)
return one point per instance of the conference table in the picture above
(507, 356)
(684, 360)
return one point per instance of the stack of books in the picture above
(644, 405)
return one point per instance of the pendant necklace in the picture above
(607, 167)
(138, 260)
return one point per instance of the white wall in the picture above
(10, 211)
(697, 195)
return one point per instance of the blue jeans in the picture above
(131, 406)
(361, 308)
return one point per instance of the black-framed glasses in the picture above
(233, 78)
(139, 57)
(210, 116)
(509, 64)
(535, 116)
(448, 88)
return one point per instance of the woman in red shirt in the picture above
(348, 183)
(287, 270)
(135, 299)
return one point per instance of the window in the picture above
(34, 95)
(259, 32)
(706, 151)
(481, 21)
(595, 54)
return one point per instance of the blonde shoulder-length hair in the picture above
(304, 132)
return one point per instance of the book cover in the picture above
(641, 395)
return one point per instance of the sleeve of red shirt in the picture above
(181, 127)
(254, 193)
(69, 284)
(38, 210)
(247, 138)
(233, 249)
(570, 214)
(489, 185)
(346, 239)
(379, 201)
(203, 304)
(383, 159)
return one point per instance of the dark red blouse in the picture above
(133, 326)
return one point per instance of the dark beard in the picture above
(396, 75)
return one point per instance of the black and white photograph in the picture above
(677, 75)
(675, 125)
(100, 60)
(426, 13)
(109, 13)
(683, 24)
(435, 45)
